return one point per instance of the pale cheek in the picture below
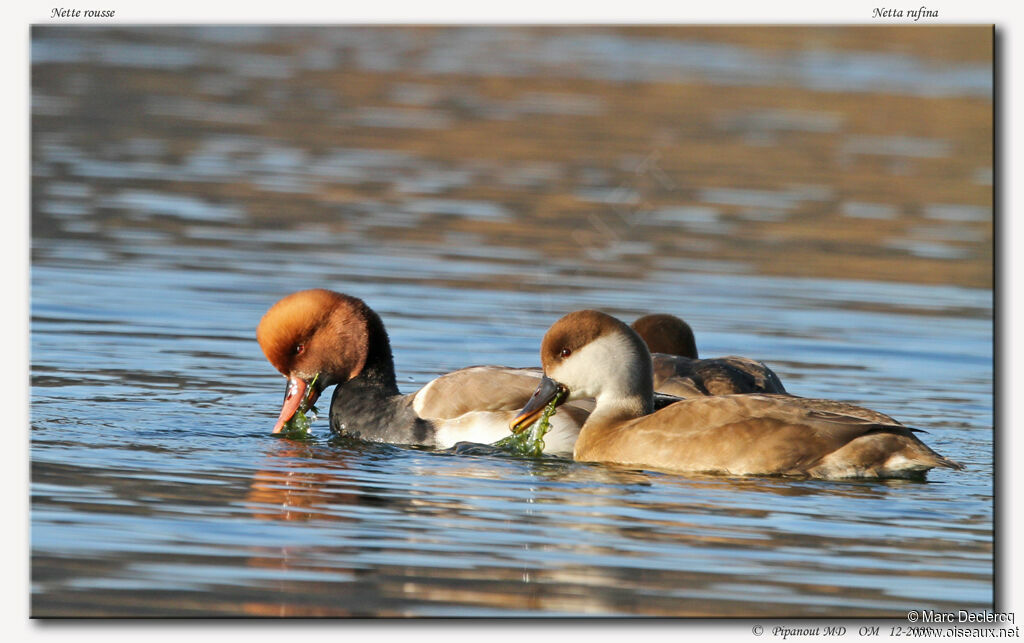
(576, 379)
(557, 373)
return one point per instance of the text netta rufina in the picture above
(318, 338)
(678, 371)
(594, 355)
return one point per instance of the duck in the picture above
(589, 354)
(319, 338)
(679, 372)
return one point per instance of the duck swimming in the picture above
(319, 338)
(591, 354)
(678, 371)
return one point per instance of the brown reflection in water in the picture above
(528, 584)
(295, 494)
(668, 174)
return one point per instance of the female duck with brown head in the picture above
(678, 371)
(318, 338)
(595, 355)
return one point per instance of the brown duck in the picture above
(593, 355)
(679, 372)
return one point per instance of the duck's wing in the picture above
(481, 388)
(476, 388)
(687, 377)
(843, 411)
(477, 404)
(674, 375)
(768, 434)
(763, 379)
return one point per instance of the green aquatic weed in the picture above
(298, 426)
(530, 442)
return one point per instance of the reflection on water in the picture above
(472, 185)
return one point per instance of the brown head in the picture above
(666, 334)
(320, 337)
(593, 355)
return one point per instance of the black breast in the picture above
(367, 413)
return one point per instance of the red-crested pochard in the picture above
(318, 338)
(594, 355)
(678, 371)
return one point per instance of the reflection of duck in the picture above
(678, 371)
(390, 551)
(595, 355)
(388, 529)
(319, 338)
(299, 488)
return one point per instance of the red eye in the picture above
(566, 352)
(299, 348)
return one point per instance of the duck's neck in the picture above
(611, 410)
(370, 407)
(629, 393)
(378, 371)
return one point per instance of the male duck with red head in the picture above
(319, 338)
(593, 355)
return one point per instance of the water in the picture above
(473, 185)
